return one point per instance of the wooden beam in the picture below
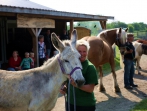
(103, 24)
(33, 30)
(23, 21)
(39, 31)
(71, 26)
(7, 14)
(35, 33)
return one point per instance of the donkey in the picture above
(101, 51)
(140, 49)
(37, 89)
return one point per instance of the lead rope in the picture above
(68, 101)
(74, 98)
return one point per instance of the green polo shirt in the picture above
(91, 77)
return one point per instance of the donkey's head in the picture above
(121, 36)
(69, 58)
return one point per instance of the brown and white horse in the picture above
(37, 89)
(101, 51)
(140, 49)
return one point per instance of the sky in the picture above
(127, 11)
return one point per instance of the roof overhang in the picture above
(55, 14)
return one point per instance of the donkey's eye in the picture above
(66, 60)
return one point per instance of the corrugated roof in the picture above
(28, 7)
(23, 4)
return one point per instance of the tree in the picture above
(142, 26)
(109, 26)
(131, 28)
(136, 26)
(116, 24)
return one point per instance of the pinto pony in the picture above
(142, 41)
(101, 51)
(37, 89)
(140, 49)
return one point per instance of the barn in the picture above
(22, 21)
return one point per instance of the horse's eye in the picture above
(66, 60)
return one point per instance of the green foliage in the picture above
(94, 26)
(116, 25)
(142, 106)
(136, 26)
(133, 27)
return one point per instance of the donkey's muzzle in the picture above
(80, 82)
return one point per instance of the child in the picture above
(41, 49)
(32, 57)
(25, 64)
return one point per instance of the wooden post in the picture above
(35, 33)
(71, 27)
(103, 24)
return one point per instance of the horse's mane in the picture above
(105, 32)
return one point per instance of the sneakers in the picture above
(131, 86)
(128, 87)
(134, 85)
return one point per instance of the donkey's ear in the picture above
(57, 43)
(126, 29)
(74, 37)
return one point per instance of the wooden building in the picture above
(21, 21)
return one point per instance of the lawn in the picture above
(142, 106)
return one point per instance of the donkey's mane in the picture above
(66, 43)
(48, 61)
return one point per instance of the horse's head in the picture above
(121, 36)
(69, 58)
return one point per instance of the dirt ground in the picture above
(111, 101)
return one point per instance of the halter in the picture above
(63, 70)
(118, 41)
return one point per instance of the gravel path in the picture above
(111, 101)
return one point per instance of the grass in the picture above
(107, 68)
(142, 106)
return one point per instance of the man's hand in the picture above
(130, 51)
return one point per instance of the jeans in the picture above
(48, 51)
(128, 72)
(41, 61)
(11, 69)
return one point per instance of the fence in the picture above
(141, 35)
